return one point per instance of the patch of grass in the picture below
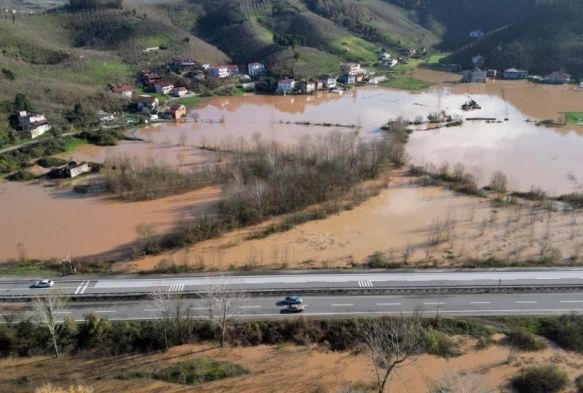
(573, 199)
(354, 48)
(29, 268)
(439, 344)
(188, 101)
(72, 143)
(436, 58)
(579, 384)
(198, 371)
(566, 331)
(574, 117)
(49, 162)
(406, 83)
(525, 340)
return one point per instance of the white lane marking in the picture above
(434, 304)
(176, 287)
(571, 301)
(365, 284)
(480, 302)
(79, 287)
(84, 288)
(527, 302)
(199, 308)
(342, 305)
(388, 304)
(63, 312)
(249, 306)
(153, 309)
(104, 311)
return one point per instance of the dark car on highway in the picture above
(292, 300)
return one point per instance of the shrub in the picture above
(22, 175)
(566, 331)
(574, 199)
(540, 379)
(579, 384)
(197, 371)
(49, 162)
(524, 340)
(438, 343)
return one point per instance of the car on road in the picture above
(289, 300)
(293, 308)
(43, 284)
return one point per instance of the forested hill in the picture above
(538, 35)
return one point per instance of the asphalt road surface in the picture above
(347, 306)
(291, 282)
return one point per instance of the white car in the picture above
(44, 284)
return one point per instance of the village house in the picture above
(382, 56)
(328, 81)
(514, 74)
(307, 87)
(390, 63)
(34, 124)
(71, 169)
(183, 62)
(475, 76)
(179, 91)
(492, 74)
(557, 78)
(149, 78)
(352, 68)
(286, 86)
(163, 87)
(218, 71)
(347, 79)
(176, 112)
(105, 117)
(125, 91)
(256, 69)
(233, 69)
(147, 103)
(478, 60)
(477, 33)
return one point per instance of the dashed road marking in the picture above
(365, 284)
(388, 304)
(434, 304)
(153, 309)
(571, 301)
(342, 305)
(249, 306)
(176, 287)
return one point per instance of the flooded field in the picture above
(53, 222)
(406, 225)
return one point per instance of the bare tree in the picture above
(168, 304)
(45, 313)
(391, 342)
(220, 297)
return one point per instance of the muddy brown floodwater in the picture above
(53, 222)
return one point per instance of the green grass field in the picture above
(574, 117)
(406, 83)
(188, 101)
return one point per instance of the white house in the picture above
(256, 69)
(219, 71)
(125, 91)
(328, 82)
(286, 86)
(147, 103)
(33, 123)
(179, 91)
(352, 68)
(163, 87)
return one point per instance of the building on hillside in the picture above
(478, 60)
(176, 112)
(163, 87)
(328, 81)
(179, 91)
(218, 71)
(183, 62)
(147, 103)
(105, 117)
(475, 76)
(491, 73)
(126, 91)
(233, 69)
(347, 79)
(514, 74)
(557, 78)
(34, 124)
(390, 63)
(256, 69)
(352, 68)
(71, 169)
(286, 85)
(149, 78)
(383, 56)
(477, 33)
(307, 86)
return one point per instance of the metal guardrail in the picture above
(395, 290)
